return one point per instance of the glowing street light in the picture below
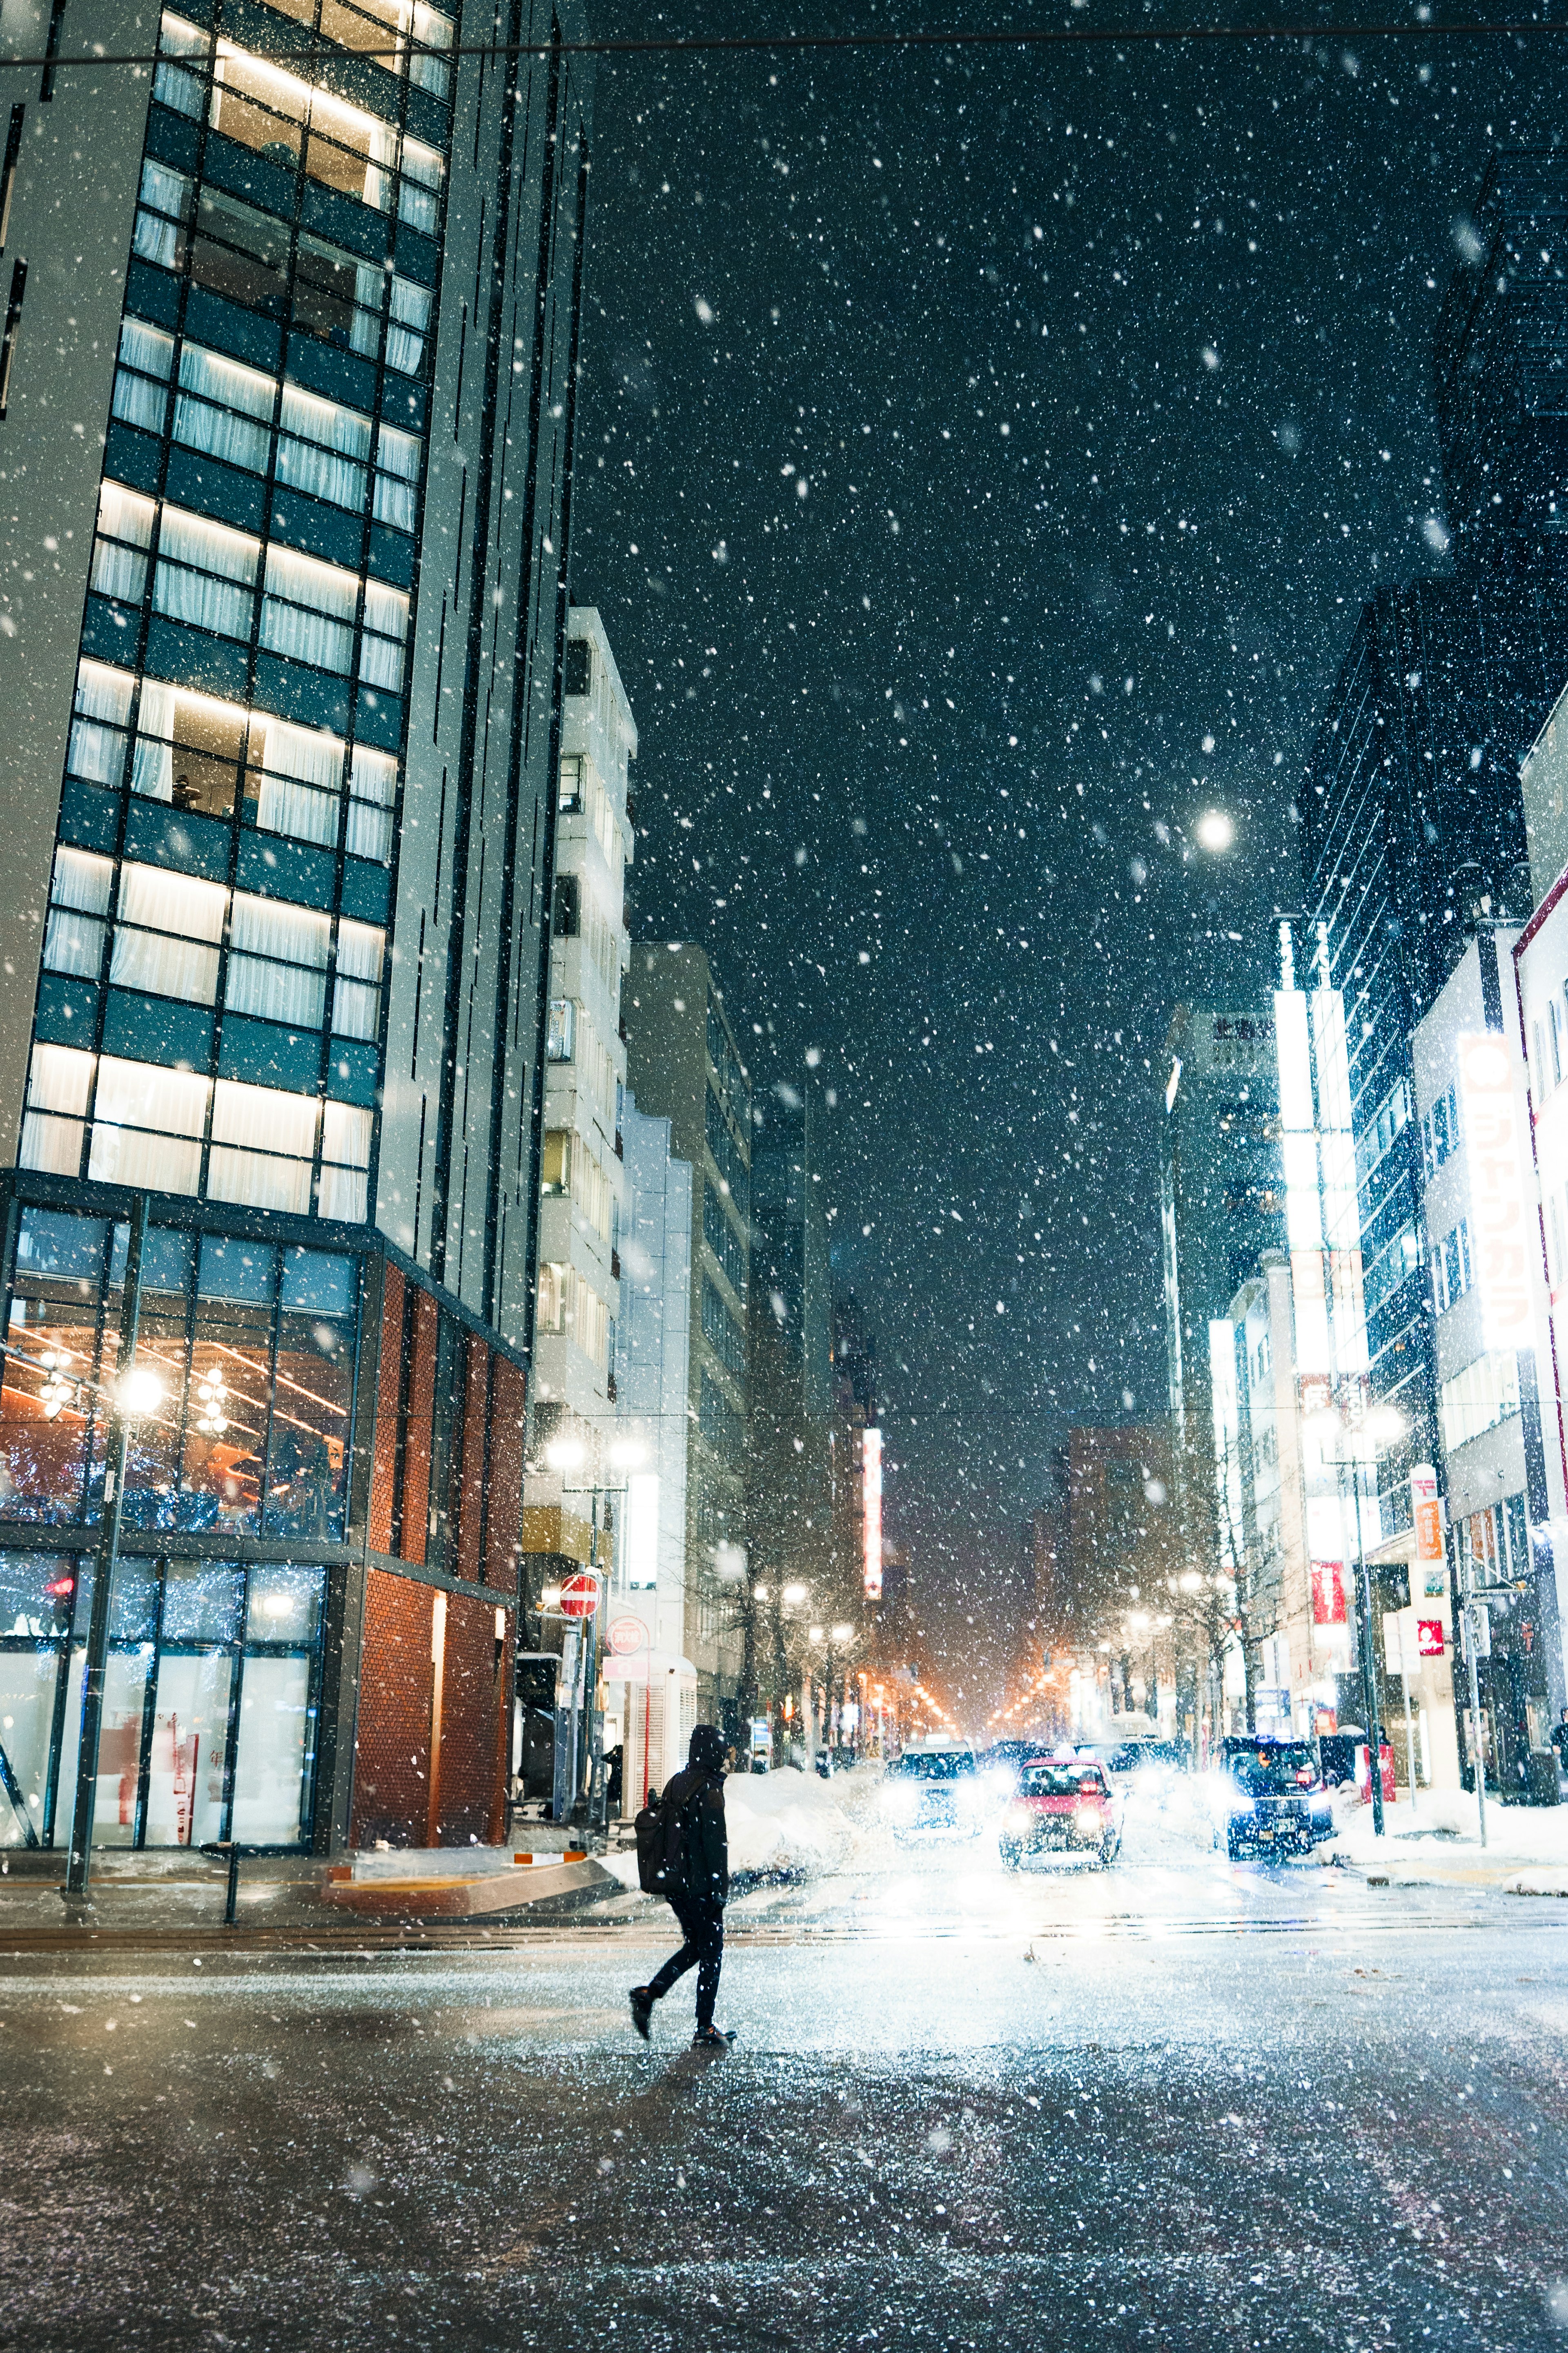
(1216, 831)
(140, 1393)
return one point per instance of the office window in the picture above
(120, 550)
(338, 297)
(147, 1126)
(167, 930)
(408, 328)
(373, 790)
(561, 1032)
(308, 611)
(97, 746)
(205, 573)
(345, 1163)
(571, 782)
(323, 449)
(174, 85)
(79, 906)
(189, 749)
(419, 192)
(263, 1142)
(239, 252)
(277, 961)
(567, 920)
(59, 1083)
(386, 628)
(224, 410)
(141, 379)
(555, 1161)
(579, 666)
(298, 783)
(356, 994)
(396, 477)
(163, 214)
(1483, 1394)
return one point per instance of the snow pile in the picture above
(1526, 1848)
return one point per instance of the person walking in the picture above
(695, 1883)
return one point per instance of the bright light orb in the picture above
(141, 1392)
(1216, 831)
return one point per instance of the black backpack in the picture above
(663, 1866)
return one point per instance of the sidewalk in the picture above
(1436, 1843)
(181, 1894)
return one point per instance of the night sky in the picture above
(983, 458)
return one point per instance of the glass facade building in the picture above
(287, 680)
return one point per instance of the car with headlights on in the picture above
(1064, 1805)
(935, 1788)
(1267, 1797)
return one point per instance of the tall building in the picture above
(569, 1513)
(1412, 820)
(1222, 1205)
(789, 1468)
(684, 1065)
(285, 426)
(653, 1686)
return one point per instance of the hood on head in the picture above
(707, 1751)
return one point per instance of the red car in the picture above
(1063, 1806)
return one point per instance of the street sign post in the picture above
(580, 1594)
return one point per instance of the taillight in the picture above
(1305, 1777)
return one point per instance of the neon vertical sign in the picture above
(871, 1480)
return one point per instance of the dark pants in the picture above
(702, 1926)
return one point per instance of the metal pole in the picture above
(1478, 1755)
(79, 1867)
(1409, 1725)
(1368, 1665)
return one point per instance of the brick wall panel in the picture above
(471, 1494)
(471, 1791)
(417, 1439)
(392, 1750)
(503, 1527)
(389, 1377)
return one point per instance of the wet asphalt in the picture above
(1181, 2103)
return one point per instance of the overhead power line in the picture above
(707, 44)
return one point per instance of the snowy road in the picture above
(1181, 2103)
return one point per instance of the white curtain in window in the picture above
(163, 192)
(366, 330)
(373, 786)
(278, 961)
(301, 783)
(263, 1141)
(409, 326)
(164, 923)
(172, 86)
(420, 190)
(58, 1085)
(224, 410)
(205, 573)
(345, 1158)
(324, 447)
(125, 527)
(102, 708)
(139, 397)
(396, 477)
(147, 1126)
(79, 901)
(356, 997)
(152, 767)
(385, 626)
(314, 625)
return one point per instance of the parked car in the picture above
(1267, 1797)
(1063, 1806)
(935, 1789)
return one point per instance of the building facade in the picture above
(569, 1515)
(1222, 1204)
(684, 1065)
(284, 674)
(1411, 819)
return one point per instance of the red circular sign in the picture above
(626, 1636)
(580, 1596)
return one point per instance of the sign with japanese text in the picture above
(1501, 1227)
(1328, 1593)
(1429, 1638)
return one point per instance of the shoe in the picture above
(642, 2009)
(708, 2038)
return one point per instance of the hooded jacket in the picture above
(698, 1791)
